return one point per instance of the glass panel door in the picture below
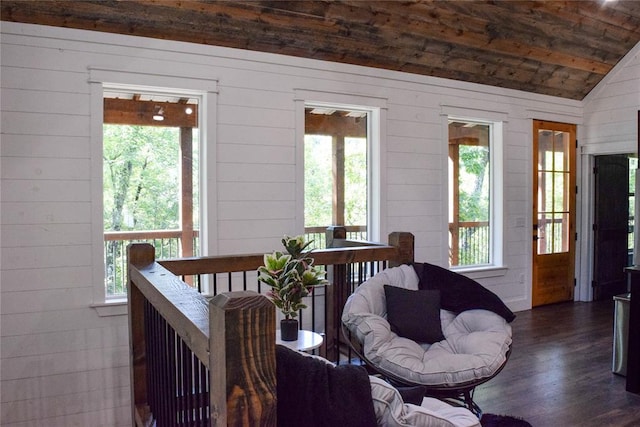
(553, 191)
(553, 212)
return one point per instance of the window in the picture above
(336, 171)
(150, 184)
(471, 196)
(147, 80)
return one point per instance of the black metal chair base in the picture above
(462, 397)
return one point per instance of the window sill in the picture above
(482, 272)
(116, 307)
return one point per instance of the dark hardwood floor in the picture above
(559, 372)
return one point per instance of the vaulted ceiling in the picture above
(560, 48)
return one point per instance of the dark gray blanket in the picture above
(459, 293)
(314, 393)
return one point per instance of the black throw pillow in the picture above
(414, 314)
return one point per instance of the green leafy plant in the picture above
(291, 275)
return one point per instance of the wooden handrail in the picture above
(331, 256)
(230, 336)
(184, 308)
(234, 263)
(181, 306)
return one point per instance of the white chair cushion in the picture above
(391, 411)
(475, 345)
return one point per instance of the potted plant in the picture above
(292, 276)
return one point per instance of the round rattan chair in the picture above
(474, 345)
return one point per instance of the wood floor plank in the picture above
(559, 372)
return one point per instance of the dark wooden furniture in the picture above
(633, 345)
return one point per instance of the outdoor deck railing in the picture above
(470, 243)
(167, 244)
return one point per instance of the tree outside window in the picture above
(469, 184)
(141, 183)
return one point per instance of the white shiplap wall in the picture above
(611, 110)
(63, 364)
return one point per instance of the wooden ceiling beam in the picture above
(324, 124)
(136, 112)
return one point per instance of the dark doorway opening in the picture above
(613, 223)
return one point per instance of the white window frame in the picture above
(376, 139)
(205, 90)
(497, 124)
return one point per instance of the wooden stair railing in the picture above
(196, 361)
(202, 361)
(348, 264)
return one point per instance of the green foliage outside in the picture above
(318, 181)
(141, 191)
(474, 183)
(141, 182)
(474, 203)
(355, 165)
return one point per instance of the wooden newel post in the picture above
(334, 232)
(405, 243)
(242, 363)
(138, 255)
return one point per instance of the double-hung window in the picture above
(150, 178)
(336, 171)
(151, 183)
(474, 237)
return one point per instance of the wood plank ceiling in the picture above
(560, 48)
